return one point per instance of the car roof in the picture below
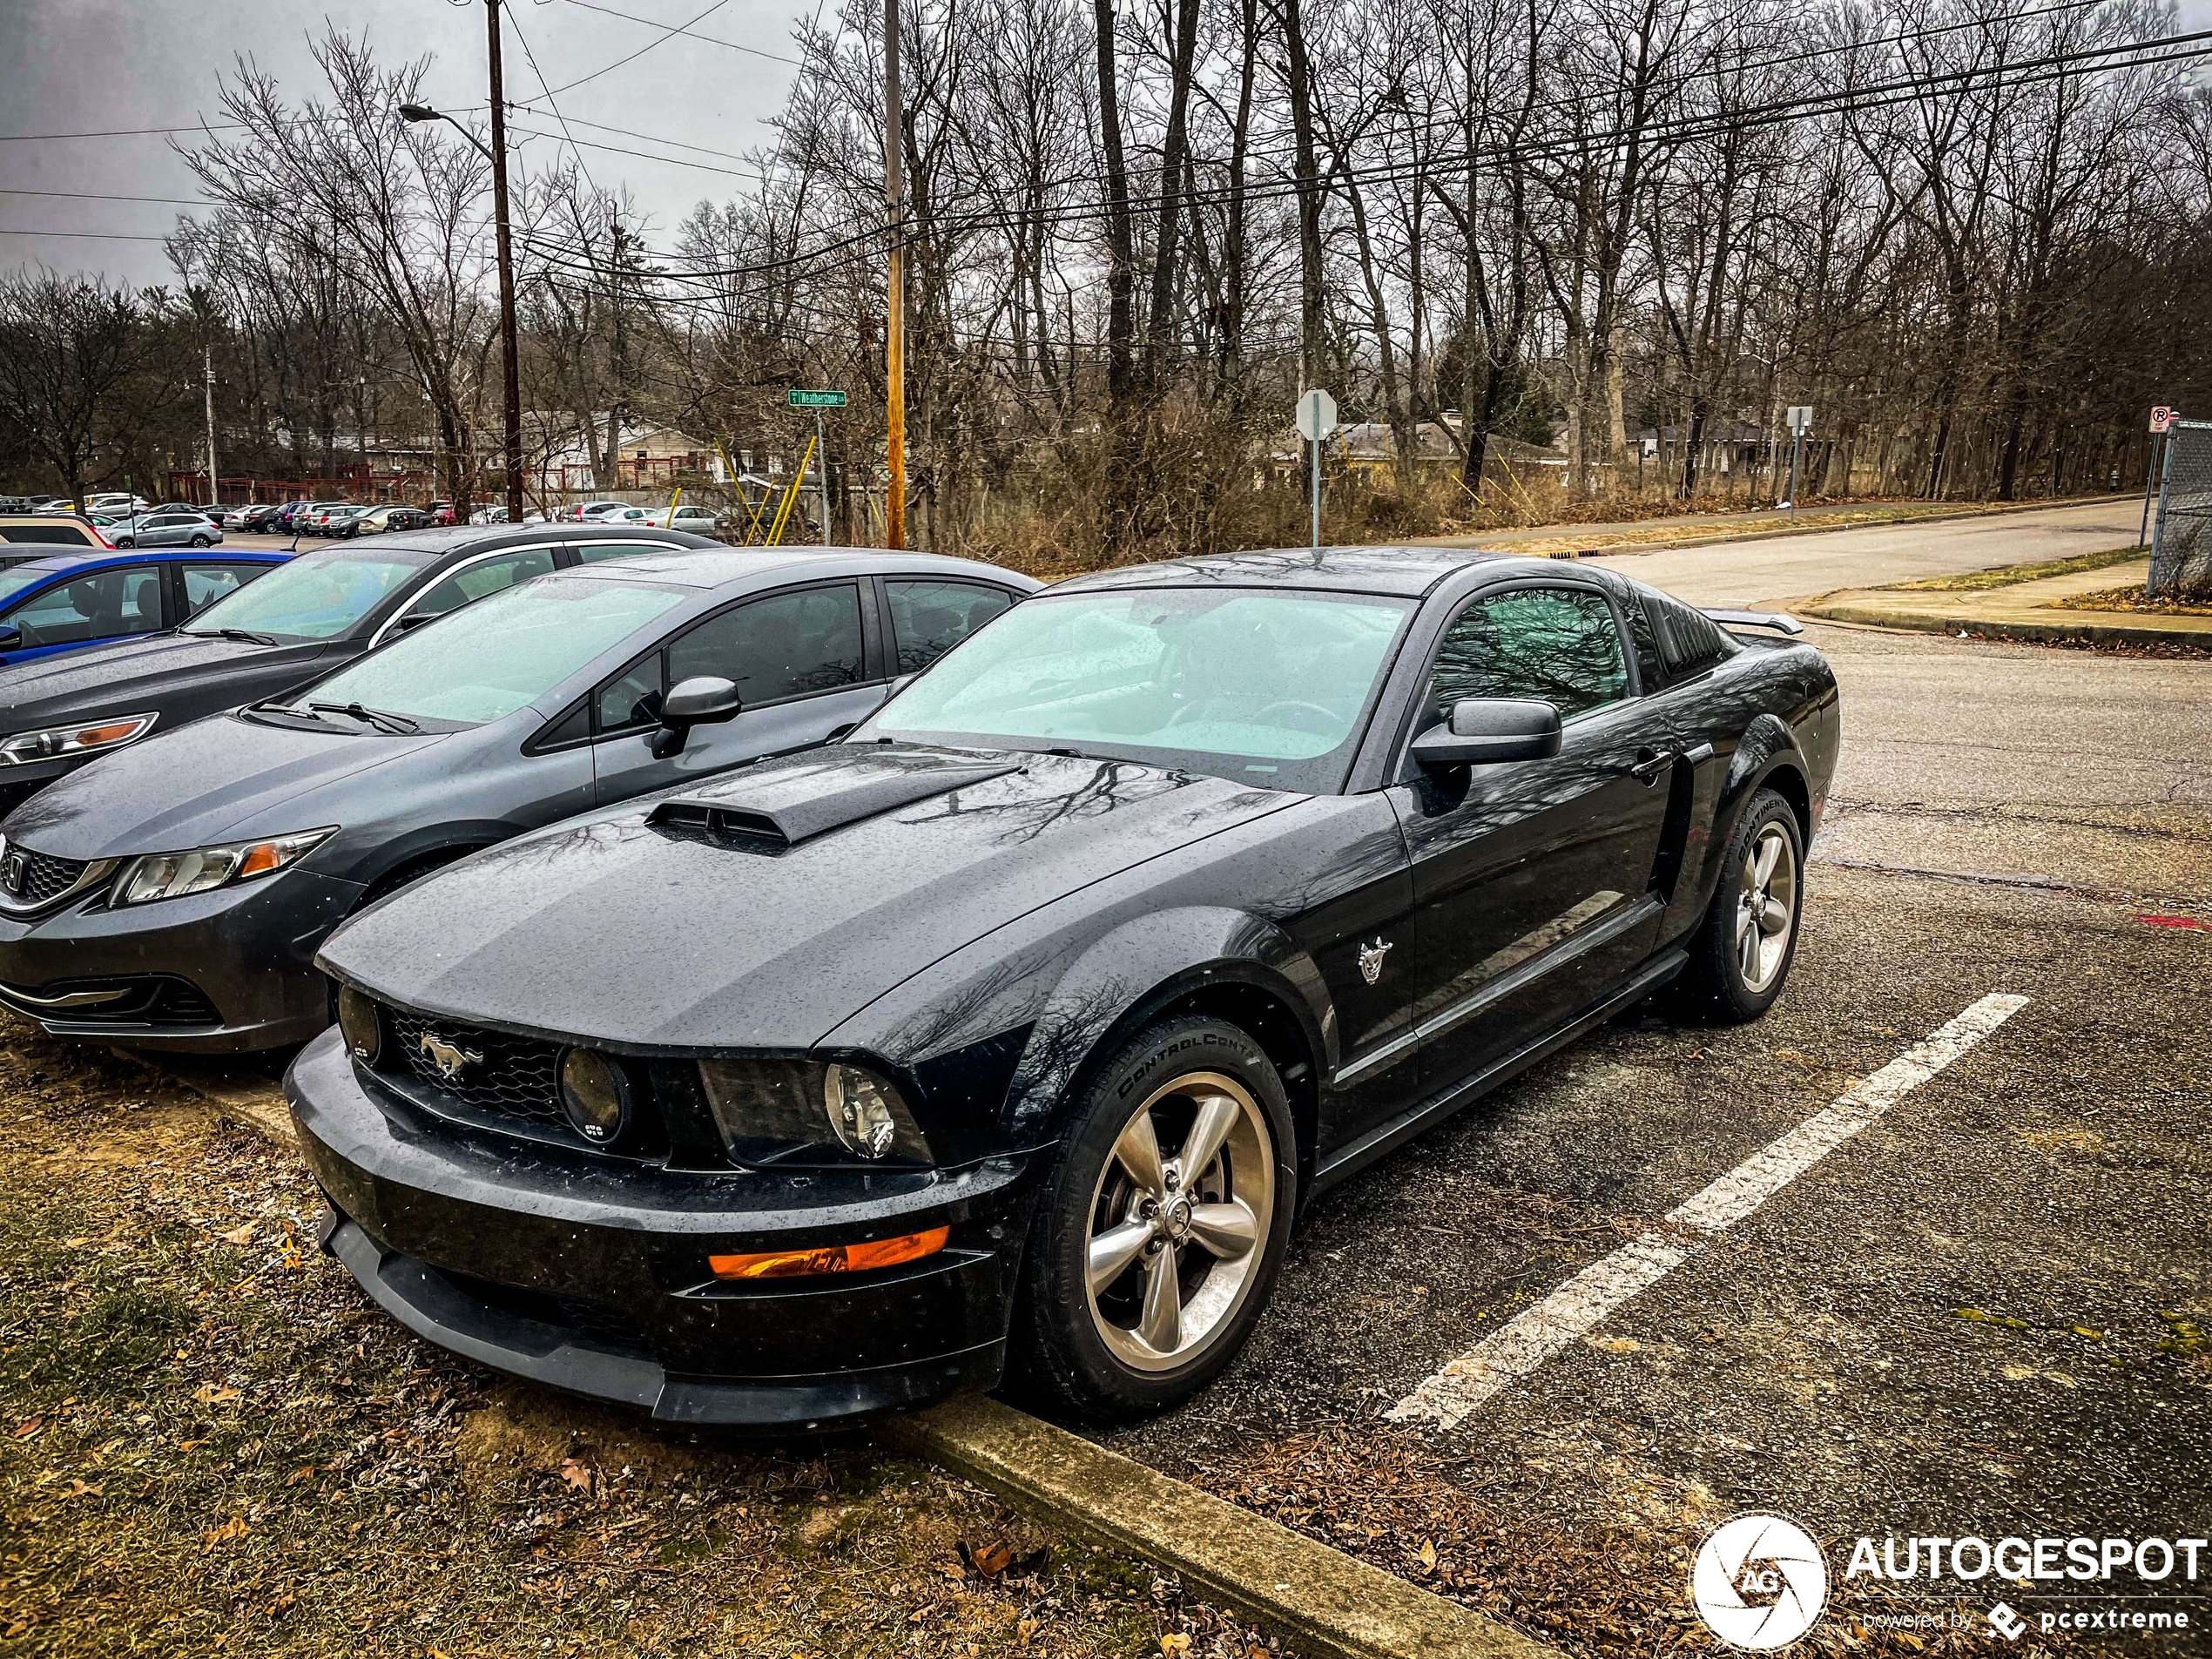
(710, 566)
(66, 561)
(478, 538)
(1407, 571)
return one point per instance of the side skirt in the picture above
(1389, 1136)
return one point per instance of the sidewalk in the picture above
(2027, 611)
(1707, 530)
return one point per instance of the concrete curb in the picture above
(2053, 632)
(1318, 1599)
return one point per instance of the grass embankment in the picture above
(2005, 576)
(210, 1442)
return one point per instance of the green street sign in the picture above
(817, 400)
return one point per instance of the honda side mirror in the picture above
(1486, 731)
(10, 636)
(705, 699)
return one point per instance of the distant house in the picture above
(647, 456)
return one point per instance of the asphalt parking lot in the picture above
(1985, 1312)
(1982, 1315)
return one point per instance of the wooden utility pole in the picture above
(514, 387)
(894, 310)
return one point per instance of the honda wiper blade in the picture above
(246, 634)
(382, 719)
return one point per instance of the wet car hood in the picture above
(104, 679)
(816, 890)
(215, 780)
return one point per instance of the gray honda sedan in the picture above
(173, 894)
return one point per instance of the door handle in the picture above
(1650, 767)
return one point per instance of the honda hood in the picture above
(762, 910)
(101, 679)
(218, 780)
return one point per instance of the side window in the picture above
(632, 699)
(204, 584)
(104, 605)
(1689, 640)
(1558, 646)
(791, 644)
(475, 581)
(593, 553)
(929, 618)
(1651, 672)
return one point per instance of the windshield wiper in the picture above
(382, 719)
(246, 634)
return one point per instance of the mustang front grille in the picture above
(489, 1071)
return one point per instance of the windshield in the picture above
(502, 653)
(310, 598)
(1253, 684)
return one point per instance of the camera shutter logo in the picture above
(1759, 1582)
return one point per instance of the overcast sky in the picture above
(84, 66)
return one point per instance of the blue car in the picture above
(86, 596)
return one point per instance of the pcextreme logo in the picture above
(1759, 1582)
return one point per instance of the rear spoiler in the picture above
(1773, 619)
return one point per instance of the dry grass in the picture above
(2005, 576)
(210, 1443)
(2136, 600)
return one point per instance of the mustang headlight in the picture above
(772, 1110)
(173, 875)
(83, 737)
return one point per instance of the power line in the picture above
(545, 87)
(1839, 101)
(92, 196)
(685, 29)
(716, 6)
(80, 236)
(117, 133)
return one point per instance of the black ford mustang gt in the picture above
(1012, 1031)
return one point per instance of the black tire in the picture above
(1060, 1354)
(201, 540)
(125, 541)
(1719, 987)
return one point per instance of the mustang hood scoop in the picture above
(769, 809)
(647, 926)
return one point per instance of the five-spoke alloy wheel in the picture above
(1740, 954)
(1158, 1232)
(1177, 1215)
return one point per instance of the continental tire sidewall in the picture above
(1057, 1349)
(1718, 972)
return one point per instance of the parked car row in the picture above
(776, 987)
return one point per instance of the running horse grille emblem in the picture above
(1371, 959)
(448, 1060)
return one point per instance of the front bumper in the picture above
(247, 953)
(589, 1274)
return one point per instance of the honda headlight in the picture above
(83, 737)
(785, 1111)
(173, 875)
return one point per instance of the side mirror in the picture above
(10, 636)
(706, 699)
(899, 685)
(1485, 731)
(415, 619)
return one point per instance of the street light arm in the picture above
(424, 112)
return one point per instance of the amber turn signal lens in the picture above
(831, 1258)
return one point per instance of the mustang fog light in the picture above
(831, 1258)
(595, 1094)
(359, 1023)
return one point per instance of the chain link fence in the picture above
(2180, 547)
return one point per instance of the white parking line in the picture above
(1579, 1305)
